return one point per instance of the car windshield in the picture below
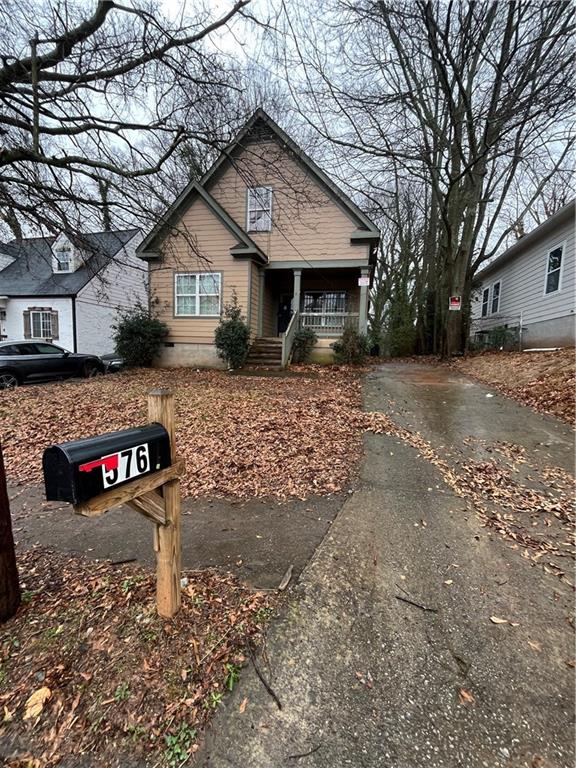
(10, 349)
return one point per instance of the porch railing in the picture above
(328, 324)
(288, 338)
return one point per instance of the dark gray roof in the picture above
(31, 273)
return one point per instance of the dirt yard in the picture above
(543, 380)
(241, 436)
(90, 675)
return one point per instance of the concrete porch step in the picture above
(266, 352)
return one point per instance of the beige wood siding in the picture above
(306, 222)
(269, 325)
(254, 298)
(201, 244)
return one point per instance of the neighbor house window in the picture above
(259, 209)
(495, 297)
(485, 301)
(41, 325)
(63, 258)
(553, 269)
(197, 294)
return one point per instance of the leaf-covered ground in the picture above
(88, 668)
(241, 436)
(543, 380)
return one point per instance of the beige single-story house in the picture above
(267, 224)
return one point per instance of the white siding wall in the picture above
(119, 286)
(522, 284)
(15, 309)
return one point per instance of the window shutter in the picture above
(55, 329)
(27, 328)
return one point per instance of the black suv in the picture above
(22, 361)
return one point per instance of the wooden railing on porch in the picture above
(288, 338)
(328, 324)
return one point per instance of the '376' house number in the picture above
(121, 466)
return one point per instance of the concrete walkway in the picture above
(366, 679)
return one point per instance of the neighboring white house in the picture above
(68, 289)
(529, 289)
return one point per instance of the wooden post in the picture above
(9, 583)
(167, 537)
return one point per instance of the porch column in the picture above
(363, 307)
(297, 284)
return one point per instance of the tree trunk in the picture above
(9, 583)
(453, 327)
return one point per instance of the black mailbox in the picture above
(79, 470)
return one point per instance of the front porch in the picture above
(324, 300)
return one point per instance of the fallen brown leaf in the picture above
(35, 703)
(465, 697)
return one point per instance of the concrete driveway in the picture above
(385, 653)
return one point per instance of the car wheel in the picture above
(8, 380)
(90, 370)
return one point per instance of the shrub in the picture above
(402, 340)
(375, 342)
(304, 341)
(232, 336)
(138, 335)
(351, 348)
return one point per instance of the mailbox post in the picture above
(167, 538)
(136, 467)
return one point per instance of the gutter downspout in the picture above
(74, 333)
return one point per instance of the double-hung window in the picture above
(485, 301)
(553, 270)
(495, 298)
(259, 209)
(197, 294)
(41, 325)
(63, 258)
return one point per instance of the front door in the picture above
(284, 312)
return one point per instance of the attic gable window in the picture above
(259, 209)
(63, 257)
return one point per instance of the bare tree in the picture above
(463, 97)
(82, 92)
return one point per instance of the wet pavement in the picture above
(256, 540)
(386, 654)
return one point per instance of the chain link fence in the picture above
(497, 332)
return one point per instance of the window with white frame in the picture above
(63, 258)
(41, 325)
(553, 270)
(485, 301)
(495, 298)
(197, 294)
(259, 209)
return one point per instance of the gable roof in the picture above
(31, 273)
(562, 216)
(367, 230)
(245, 248)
